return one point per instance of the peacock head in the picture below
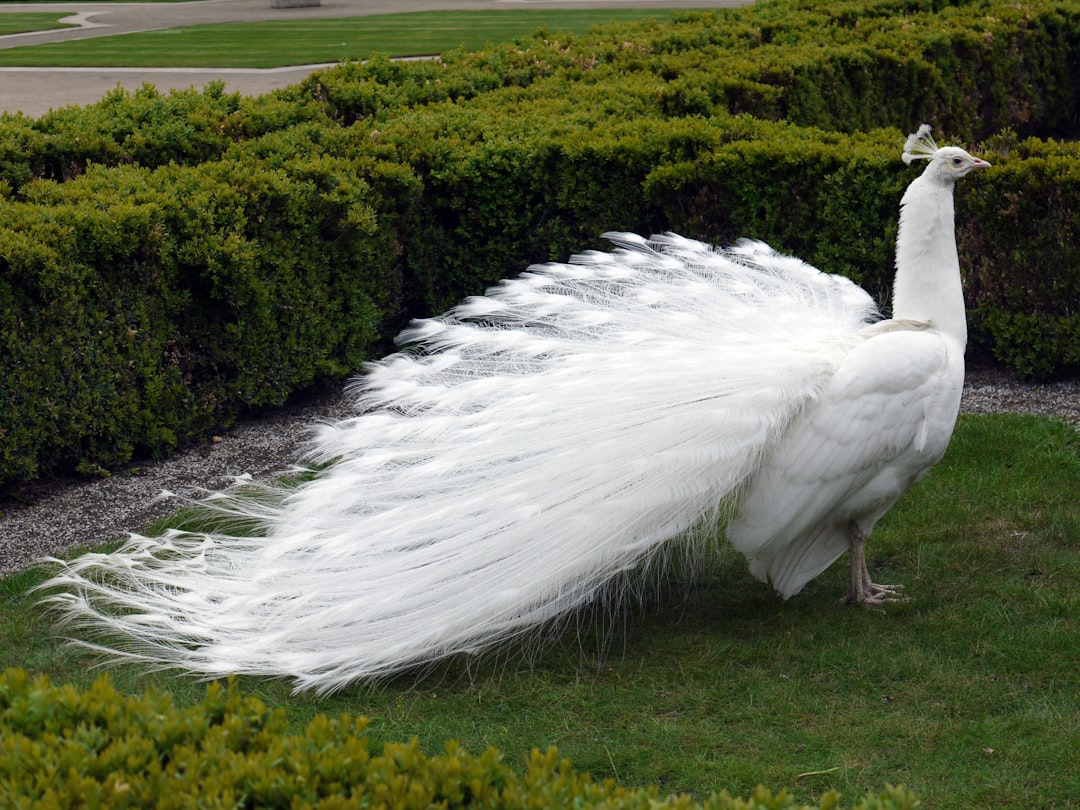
(947, 163)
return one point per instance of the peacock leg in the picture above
(863, 591)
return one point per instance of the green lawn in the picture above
(276, 44)
(23, 22)
(969, 693)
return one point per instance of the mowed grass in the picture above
(18, 22)
(969, 693)
(299, 42)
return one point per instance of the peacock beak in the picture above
(979, 163)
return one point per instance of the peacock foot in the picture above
(863, 590)
(870, 594)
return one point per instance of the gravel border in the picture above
(57, 515)
(51, 516)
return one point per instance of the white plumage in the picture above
(536, 442)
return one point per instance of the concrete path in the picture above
(34, 91)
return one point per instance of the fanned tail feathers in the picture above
(526, 448)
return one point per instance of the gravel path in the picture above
(57, 515)
(51, 516)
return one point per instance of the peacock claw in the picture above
(863, 590)
(870, 594)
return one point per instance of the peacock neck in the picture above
(927, 287)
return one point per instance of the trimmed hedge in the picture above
(142, 307)
(167, 261)
(65, 748)
(1021, 234)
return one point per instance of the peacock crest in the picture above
(919, 146)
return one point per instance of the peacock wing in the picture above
(882, 420)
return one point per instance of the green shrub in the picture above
(98, 748)
(1021, 232)
(143, 307)
(145, 128)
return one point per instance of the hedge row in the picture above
(168, 261)
(97, 748)
(971, 68)
(140, 308)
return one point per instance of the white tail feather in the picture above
(534, 443)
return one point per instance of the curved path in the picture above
(35, 91)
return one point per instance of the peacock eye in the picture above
(956, 161)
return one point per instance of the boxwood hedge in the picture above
(67, 748)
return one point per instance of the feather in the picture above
(919, 146)
(522, 451)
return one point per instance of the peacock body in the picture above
(532, 444)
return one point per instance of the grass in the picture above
(969, 693)
(24, 22)
(277, 44)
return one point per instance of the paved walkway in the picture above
(34, 91)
